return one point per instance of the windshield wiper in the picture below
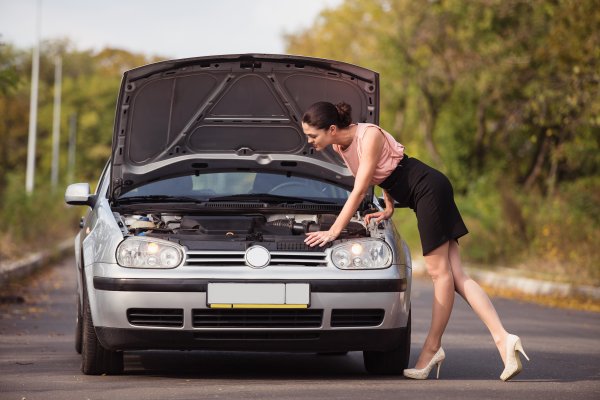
(157, 198)
(270, 198)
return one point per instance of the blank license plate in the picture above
(258, 294)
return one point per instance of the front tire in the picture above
(391, 362)
(78, 327)
(95, 359)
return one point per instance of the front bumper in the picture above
(114, 298)
(300, 341)
(180, 295)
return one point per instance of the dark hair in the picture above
(323, 114)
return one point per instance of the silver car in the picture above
(194, 238)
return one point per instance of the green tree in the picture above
(503, 95)
(89, 91)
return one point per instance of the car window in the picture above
(241, 183)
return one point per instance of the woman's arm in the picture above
(385, 214)
(372, 145)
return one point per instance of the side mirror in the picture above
(78, 194)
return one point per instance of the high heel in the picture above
(513, 362)
(423, 373)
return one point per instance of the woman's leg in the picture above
(477, 299)
(438, 267)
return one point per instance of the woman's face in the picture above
(317, 138)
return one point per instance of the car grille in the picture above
(236, 259)
(356, 317)
(165, 317)
(256, 318)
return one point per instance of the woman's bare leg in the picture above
(477, 299)
(438, 267)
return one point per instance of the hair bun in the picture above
(323, 114)
(344, 111)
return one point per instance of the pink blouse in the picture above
(391, 154)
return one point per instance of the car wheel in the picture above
(95, 359)
(78, 327)
(392, 362)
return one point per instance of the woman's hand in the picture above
(379, 216)
(320, 238)
(386, 213)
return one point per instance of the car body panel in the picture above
(228, 112)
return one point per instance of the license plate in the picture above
(258, 295)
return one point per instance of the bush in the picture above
(550, 236)
(33, 222)
(566, 231)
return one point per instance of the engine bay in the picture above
(201, 231)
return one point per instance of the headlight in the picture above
(362, 254)
(141, 252)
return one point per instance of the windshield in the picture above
(245, 185)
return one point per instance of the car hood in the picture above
(232, 112)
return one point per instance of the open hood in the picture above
(232, 112)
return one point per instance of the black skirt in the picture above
(429, 193)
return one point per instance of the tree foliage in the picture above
(89, 92)
(90, 82)
(502, 95)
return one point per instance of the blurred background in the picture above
(501, 95)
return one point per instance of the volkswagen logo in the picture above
(257, 257)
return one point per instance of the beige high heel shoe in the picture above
(513, 362)
(423, 373)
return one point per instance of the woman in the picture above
(375, 158)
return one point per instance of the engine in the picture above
(194, 229)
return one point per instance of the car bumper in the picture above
(343, 315)
(259, 340)
(347, 310)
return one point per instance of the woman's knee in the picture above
(438, 264)
(438, 269)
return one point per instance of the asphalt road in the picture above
(38, 360)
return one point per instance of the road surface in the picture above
(38, 359)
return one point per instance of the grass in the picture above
(34, 222)
(558, 241)
(567, 302)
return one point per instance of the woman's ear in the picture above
(332, 129)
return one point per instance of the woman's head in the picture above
(322, 120)
(323, 114)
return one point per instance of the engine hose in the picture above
(297, 228)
